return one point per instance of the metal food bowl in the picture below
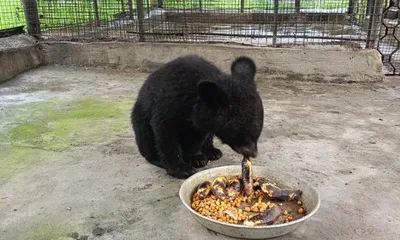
(310, 197)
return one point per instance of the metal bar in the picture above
(139, 11)
(243, 35)
(368, 11)
(148, 8)
(241, 5)
(130, 7)
(297, 5)
(275, 27)
(200, 6)
(96, 12)
(350, 9)
(32, 17)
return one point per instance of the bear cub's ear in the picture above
(243, 68)
(212, 94)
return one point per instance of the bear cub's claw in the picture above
(182, 171)
(198, 161)
(212, 154)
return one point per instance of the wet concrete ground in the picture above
(70, 168)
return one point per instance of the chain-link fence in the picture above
(350, 23)
(389, 38)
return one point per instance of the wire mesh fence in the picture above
(256, 21)
(351, 23)
(11, 14)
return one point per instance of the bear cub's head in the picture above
(230, 107)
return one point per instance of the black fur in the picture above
(188, 101)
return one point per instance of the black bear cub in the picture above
(186, 102)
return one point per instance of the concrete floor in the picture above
(69, 166)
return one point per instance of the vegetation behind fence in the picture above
(58, 13)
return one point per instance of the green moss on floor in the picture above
(33, 132)
(49, 231)
(14, 159)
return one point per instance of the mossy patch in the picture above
(26, 131)
(57, 126)
(48, 231)
(14, 158)
(34, 132)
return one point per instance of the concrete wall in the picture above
(18, 54)
(318, 64)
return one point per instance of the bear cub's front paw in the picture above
(181, 171)
(197, 161)
(212, 154)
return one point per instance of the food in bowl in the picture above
(247, 200)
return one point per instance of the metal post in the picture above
(200, 6)
(32, 17)
(139, 11)
(123, 6)
(275, 27)
(369, 7)
(241, 5)
(130, 8)
(96, 12)
(350, 10)
(148, 8)
(374, 25)
(297, 5)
